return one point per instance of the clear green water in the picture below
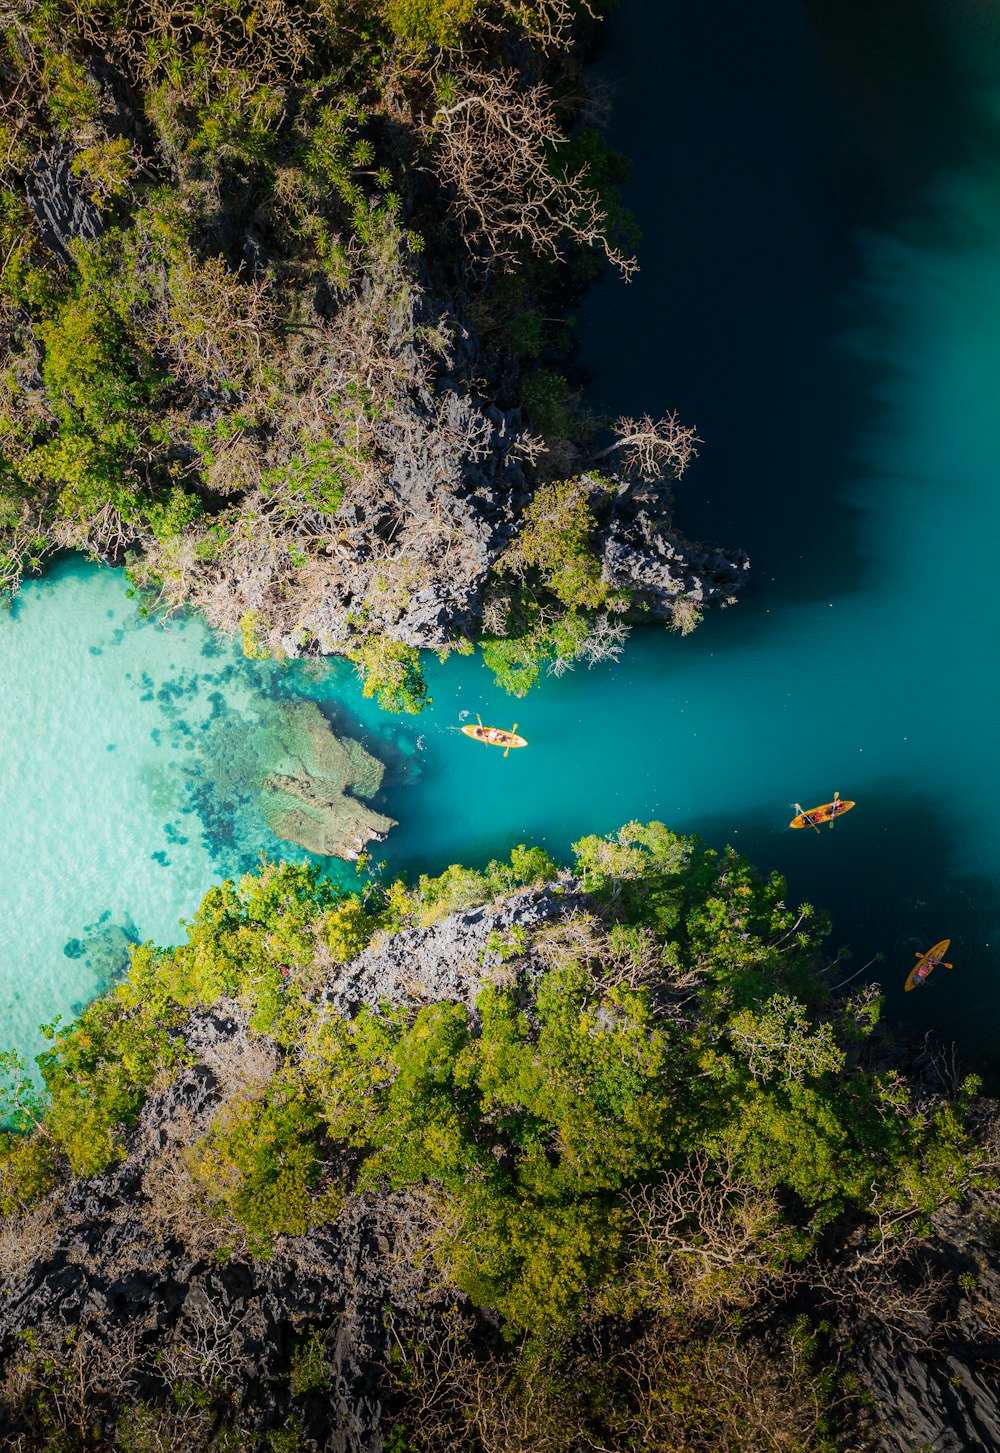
(826, 307)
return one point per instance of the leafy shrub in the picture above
(556, 540)
(459, 887)
(391, 672)
(429, 22)
(27, 1170)
(545, 394)
(97, 1073)
(310, 1371)
(260, 1165)
(253, 631)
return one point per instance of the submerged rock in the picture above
(311, 795)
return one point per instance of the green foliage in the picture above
(312, 480)
(98, 1071)
(71, 95)
(517, 659)
(310, 1371)
(429, 22)
(27, 1170)
(778, 1041)
(459, 887)
(107, 168)
(516, 662)
(253, 631)
(545, 394)
(347, 929)
(643, 870)
(391, 672)
(260, 1165)
(253, 941)
(565, 1081)
(87, 368)
(170, 517)
(556, 541)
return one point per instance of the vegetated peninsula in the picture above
(526, 1159)
(282, 305)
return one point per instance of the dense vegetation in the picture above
(281, 291)
(652, 1150)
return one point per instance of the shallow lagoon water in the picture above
(130, 752)
(825, 306)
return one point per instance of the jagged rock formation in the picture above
(935, 1384)
(313, 795)
(126, 1264)
(61, 207)
(640, 551)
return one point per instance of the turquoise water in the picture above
(824, 303)
(130, 753)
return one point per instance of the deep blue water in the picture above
(821, 296)
(819, 192)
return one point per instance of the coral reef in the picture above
(311, 795)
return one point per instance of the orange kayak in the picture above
(494, 736)
(817, 815)
(926, 964)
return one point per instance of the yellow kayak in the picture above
(495, 736)
(826, 813)
(926, 964)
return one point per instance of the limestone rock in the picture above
(313, 793)
(65, 214)
(641, 551)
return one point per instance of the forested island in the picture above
(525, 1158)
(283, 295)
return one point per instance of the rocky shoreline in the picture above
(125, 1287)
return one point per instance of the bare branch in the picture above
(654, 447)
(498, 149)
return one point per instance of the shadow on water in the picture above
(754, 169)
(909, 69)
(749, 179)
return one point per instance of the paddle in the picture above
(512, 731)
(802, 813)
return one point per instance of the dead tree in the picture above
(549, 23)
(498, 149)
(653, 447)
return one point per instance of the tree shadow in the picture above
(755, 170)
